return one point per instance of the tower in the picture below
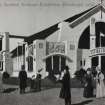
(92, 33)
(7, 62)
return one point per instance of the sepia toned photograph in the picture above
(52, 52)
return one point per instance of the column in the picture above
(4, 62)
(5, 49)
(26, 57)
(34, 57)
(59, 63)
(99, 61)
(52, 62)
(17, 60)
(92, 33)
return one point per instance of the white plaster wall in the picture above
(40, 54)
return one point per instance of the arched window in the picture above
(30, 63)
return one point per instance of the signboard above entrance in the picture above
(55, 47)
(97, 51)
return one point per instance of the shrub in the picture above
(5, 75)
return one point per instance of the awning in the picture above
(58, 54)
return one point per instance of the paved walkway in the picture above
(11, 96)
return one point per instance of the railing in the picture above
(97, 51)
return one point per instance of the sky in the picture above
(27, 17)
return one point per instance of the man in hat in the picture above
(22, 80)
(65, 92)
(38, 79)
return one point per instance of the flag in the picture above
(101, 34)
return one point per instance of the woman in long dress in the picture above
(88, 88)
(100, 86)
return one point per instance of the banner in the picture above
(55, 47)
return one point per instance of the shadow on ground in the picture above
(42, 89)
(83, 103)
(9, 90)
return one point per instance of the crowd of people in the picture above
(94, 79)
(35, 81)
(89, 78)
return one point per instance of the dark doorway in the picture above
(30, 63)
(103, 64)
(94, 61)
(48, 64)
(63, 63)
(54, 64)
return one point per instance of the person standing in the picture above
(22, 80)
(100, 86)
(1, 84)
(65, 92)
(88, 86)
(32, 87)
(38, 79)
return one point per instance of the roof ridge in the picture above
(48, 31)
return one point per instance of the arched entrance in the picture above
(85, 36)
(98, 57)
(55, 63)
(30, 63)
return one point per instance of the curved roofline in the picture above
(59, 54)
(87, 15)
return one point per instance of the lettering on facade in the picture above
(55, 47)
(98, 51)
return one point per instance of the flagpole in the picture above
(101, 35)
(17, 57)
(100, 40)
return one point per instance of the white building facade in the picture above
(78, 43)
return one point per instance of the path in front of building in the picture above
(11, 96)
